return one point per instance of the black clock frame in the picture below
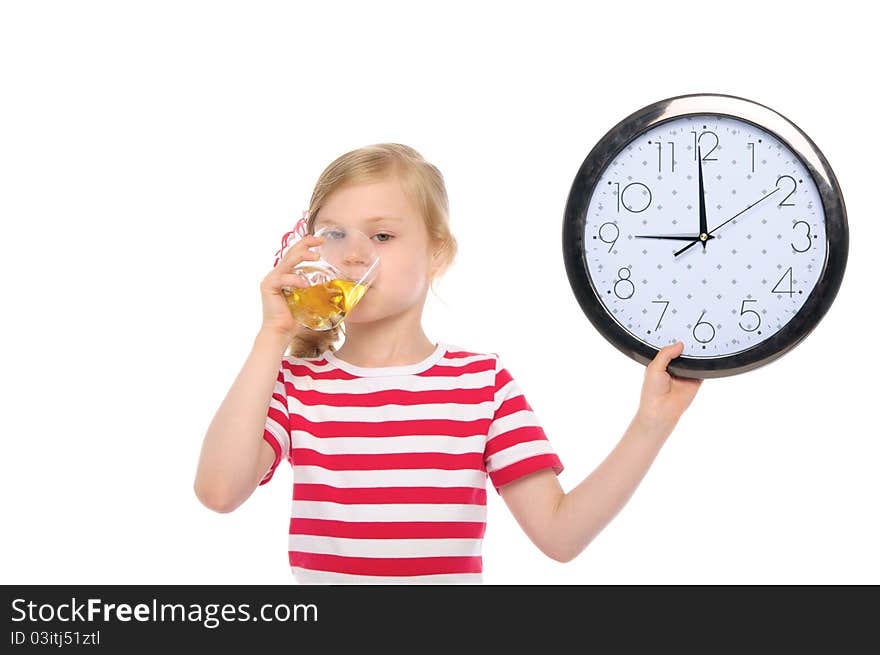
(603, 153)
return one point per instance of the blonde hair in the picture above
(421, 181)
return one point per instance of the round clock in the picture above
(707, 219)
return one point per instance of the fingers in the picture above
(291, 280)
(666, 355)
(278, 283)
(276, 279)
(300, 251)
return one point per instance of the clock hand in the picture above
(703, 228)
(709, 234)
(677, 237)
(746, 209)
(678, 252)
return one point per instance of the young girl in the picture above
(392, 436)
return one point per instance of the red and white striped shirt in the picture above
(390, 463)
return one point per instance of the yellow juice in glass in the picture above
(323, 306)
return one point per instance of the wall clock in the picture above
(709, 219)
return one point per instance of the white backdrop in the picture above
(152, 155)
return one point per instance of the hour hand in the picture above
(675, 237)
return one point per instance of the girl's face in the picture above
(383, 212)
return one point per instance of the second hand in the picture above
(676, 254)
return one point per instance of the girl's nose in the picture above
(357, 258)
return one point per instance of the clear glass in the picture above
(337, 280)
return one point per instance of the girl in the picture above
(392, 436)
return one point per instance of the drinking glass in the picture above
(337, 280)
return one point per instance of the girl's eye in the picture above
(382, 234)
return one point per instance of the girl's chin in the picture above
(363, 314)
(355, 313)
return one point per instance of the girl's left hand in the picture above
(664, 396)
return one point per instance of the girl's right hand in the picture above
(665, 396)
(276, 314)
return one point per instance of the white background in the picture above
(152, 155)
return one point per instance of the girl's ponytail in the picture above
(309, 344)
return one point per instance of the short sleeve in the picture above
(277, 428)
(516, 443)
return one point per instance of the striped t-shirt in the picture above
(390, 463)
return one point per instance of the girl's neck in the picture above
(369, 353)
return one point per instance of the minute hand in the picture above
(727, 221)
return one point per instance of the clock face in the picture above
(763, 248)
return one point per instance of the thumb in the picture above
(667, 354)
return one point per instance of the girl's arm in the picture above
(562, 524)
(234, 456)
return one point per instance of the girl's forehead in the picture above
(384, 197)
